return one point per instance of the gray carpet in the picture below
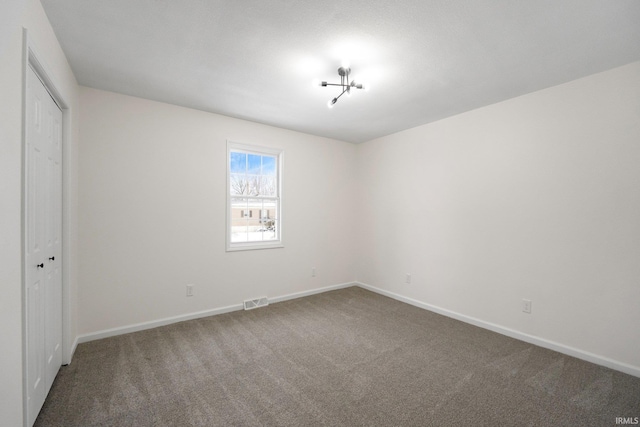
(342, 358)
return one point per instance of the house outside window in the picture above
(254, 182)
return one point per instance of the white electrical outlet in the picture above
(313, 272)
(189, 290)
(407, 279)
(526, 306)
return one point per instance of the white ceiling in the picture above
(424, 59)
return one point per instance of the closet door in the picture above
(43, 231)
(53, 244)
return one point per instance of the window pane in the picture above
(239, 231)
(239, 219)
(269, 219)
(254, 185)
(255, 231)
(238, 162)
(268, 185)
(254, 163)
(269, 209)
(239, 184)
(268, 165)
(239, 208)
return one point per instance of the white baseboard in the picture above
(155, 323)
(541, 342)
(190, 316)
(311, 292)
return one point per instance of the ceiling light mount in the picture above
(346, 86)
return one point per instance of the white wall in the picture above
(152, 213)
(537, 197)
(16, 15)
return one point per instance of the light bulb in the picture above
(330, 103)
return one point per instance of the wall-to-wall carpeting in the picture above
(343, 358)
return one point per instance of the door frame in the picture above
(32, 59)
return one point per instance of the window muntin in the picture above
(253, 197)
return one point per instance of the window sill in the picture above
(234, 247)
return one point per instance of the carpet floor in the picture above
(342, 358)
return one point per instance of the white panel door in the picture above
(53, 244)
(43, 246)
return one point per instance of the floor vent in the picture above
(255, 303)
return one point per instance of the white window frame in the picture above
(260, 150)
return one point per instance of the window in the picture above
(254, 179)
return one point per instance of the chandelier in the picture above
(345, 84)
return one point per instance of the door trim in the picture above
(32, 59)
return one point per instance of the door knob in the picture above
(40, 265)
(52, 258)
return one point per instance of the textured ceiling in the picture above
(424, 59)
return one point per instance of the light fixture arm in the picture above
(334, 100)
